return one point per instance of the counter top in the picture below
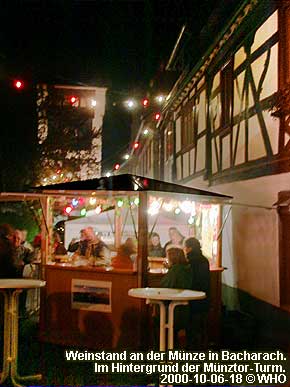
(162, 271)
(110, 269)
(99, 269)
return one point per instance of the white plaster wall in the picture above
(100, 98)
(229, 275)
(250, 235)
(178, 135)
(202, 112)
(267, 29)
(255, 252)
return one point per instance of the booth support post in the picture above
(219, 241)
(46, 223)
(118, 229)
(142, 240)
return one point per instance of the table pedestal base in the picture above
(10, 351)
(166, 325)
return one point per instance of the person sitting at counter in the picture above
(95, 246)
(123, 258)
(197, 338)
(80, 245)
(200, 271)
(58, 247)
(179, 276)
(131, 244)
(154, 246)
(176, 238)
(90, 247)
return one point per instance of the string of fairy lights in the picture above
(155, 115)
(83, 207)
(150, 108)
(80, 206)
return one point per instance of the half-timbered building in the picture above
(225, 125)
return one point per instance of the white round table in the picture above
(11, 288)
(159, 296)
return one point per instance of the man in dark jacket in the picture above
(7, 266)
(200, 281)
(7, 253)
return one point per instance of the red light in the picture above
(81, 201)
(145, 102)
(116, 166)
(18, 84)
(157, 116)
(136, 145)
(73, 99)
(68, 210)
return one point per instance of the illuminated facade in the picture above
(70, 120)
(225, 125)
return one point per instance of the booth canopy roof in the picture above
(127, 182)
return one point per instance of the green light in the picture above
(83, 212)
(120, 203)
(136, 201)
(177, 210)
(191, 220)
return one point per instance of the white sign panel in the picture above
(91, 295)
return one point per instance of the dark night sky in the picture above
(119, 44)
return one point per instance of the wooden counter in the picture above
(128, 325)
(60, 324)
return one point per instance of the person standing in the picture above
(197, 338)
(23, 255)
(154, 246)
(176, 238)
(58, 247)
(24, 241)
(8, 268)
